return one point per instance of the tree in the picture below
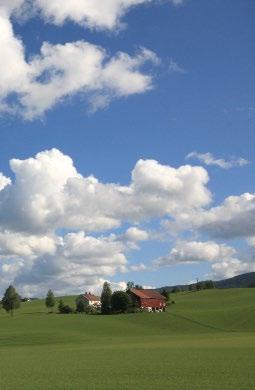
(64, 309)
(81, 304)
(130, 285)
(191, 287)
(50, 300)
(139, 286)
(209, 284)
(11, 300)
(166, 294)
(106, 298)
(120, 301)
(133, 285)
(60, 305)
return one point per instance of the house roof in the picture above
(92, 297)
(146, 293)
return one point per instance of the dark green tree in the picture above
(120, 301)
(139, 286)
(130, 285)
(209, 284)
(81, 304)
(133, 285)
(50, 300)
(64, 309)
(166, 294)
(106, 298)
(11, 300)
(176, 289)
(60, 305)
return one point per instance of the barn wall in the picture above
(146, 302)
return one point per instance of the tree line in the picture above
(111, 302)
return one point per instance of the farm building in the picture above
(148, 299)
(92, 300)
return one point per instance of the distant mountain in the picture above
(239, 281)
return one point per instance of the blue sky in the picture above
(199, 98)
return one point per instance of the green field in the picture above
(206, 340)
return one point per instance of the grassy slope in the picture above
(205, 341)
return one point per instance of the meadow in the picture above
(206, 340)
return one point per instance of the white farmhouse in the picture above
(92, 300)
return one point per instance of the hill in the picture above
(203, 336)
(240, 281)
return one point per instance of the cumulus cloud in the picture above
(19, 245)
(90, 13)
(98, 14)
(234, 218)
(209, 159)
(135, 234)
(48, 193)
(48, 196)
(72, 262)
(195, 252)
(4, 181)
(231, 267)
(32, 87)
(225, 260)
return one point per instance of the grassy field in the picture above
(206, 340)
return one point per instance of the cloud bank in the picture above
(58, 227)
(50, 213)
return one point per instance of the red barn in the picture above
(148, 299)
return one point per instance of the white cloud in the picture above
(135, 234)
(230, 268)
(225, 259)
(195, 252)
(18, 245)
(234, 218)
(68, 264)
(4, 181)
(32, 87)
(175, 68)
(104, 14)
(10, 6)
(138, 267)
(209, 159)
(48, 193)
(48, 196)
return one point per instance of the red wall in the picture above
(146, 302)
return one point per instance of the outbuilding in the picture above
(150, 300)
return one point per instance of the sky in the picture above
(127, 143)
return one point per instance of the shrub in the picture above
(64, 309)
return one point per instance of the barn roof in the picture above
(146, 293)
(91, 297)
